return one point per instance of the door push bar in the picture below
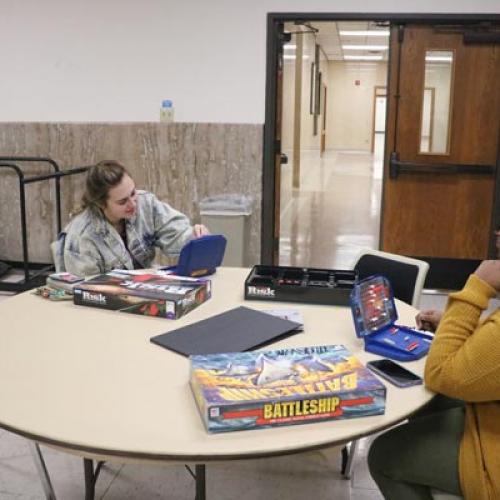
(397, 167)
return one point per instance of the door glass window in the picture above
(436, 102)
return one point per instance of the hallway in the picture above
(335, 212)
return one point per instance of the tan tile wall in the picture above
(181, 163)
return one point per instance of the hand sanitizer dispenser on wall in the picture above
(167, 111)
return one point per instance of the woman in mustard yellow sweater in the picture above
(453, 447)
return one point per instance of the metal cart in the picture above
(34, 273)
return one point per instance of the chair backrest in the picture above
(407, 275)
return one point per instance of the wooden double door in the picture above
(442, 149)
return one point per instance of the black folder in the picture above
(236, 330)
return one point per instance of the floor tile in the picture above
(137, 482)
(19, 477)
(67, 476)
(335, 212)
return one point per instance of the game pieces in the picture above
(374, 313)
(300, 284)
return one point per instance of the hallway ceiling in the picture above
(333, 44)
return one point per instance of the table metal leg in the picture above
(91, 476)
(345, 456)
(347, 465)
(200, 478)
(42, 471)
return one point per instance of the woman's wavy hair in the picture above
(100, 179)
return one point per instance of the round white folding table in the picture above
(89, 382)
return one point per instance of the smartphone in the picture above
(394, 373)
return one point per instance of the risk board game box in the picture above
(255, 390)
(152, 294)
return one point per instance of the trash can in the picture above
(228, 214)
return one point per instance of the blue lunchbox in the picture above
(374, 313)
(201, 256)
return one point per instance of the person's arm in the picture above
(84, 262)
(172, 228)
(464, 359)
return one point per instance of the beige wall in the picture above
(288, 111)
(309, 142)
(350, 106)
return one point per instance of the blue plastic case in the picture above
(374, 313)
(201, 256)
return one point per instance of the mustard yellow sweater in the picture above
(464, 363)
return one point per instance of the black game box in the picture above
(300, 284)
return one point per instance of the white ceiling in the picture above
(331, 42)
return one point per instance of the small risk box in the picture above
(374, 313)
(300, 284)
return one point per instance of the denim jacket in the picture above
(90, 245)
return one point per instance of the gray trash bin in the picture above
(228, 214)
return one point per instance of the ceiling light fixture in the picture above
(362, 58)
(439, 58)
(364, 33)
(292, 56)
(365, 47)
(290, 46)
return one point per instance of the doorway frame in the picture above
(271, 146)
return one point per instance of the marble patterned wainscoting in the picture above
(180, 162)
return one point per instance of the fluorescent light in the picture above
(290, 46)
(358, 66)
(365, 47)
(292, 56)
(364, 33)
(439, 58)
(362, 58)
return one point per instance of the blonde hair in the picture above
(100, 179)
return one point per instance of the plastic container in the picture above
(228, 214)
(374, 313)
(167, 111)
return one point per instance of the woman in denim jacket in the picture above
(119, 227)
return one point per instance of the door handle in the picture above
(397, 167)
(283, 159)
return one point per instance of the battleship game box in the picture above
(160, 295)
(261, 389)
(300, 284)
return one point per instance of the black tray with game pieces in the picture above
(375, 315)
(300, 284)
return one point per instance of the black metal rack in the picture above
(34, 273)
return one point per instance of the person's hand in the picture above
(428, 320)
(200, 230)
(489, 272)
